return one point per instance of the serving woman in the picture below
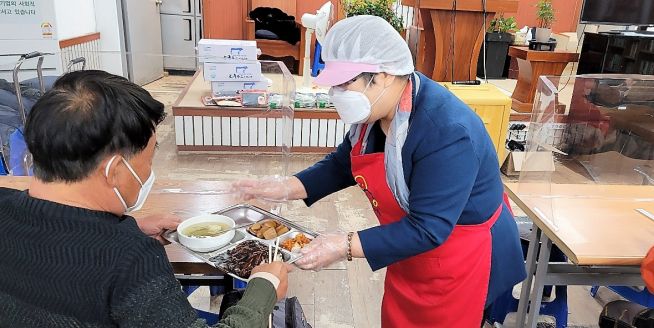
(426, 163)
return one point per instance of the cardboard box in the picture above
(542, 161)
(221, 87)
(233, 72)
(227, 51)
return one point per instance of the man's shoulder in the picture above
(8, 192)
(130, 235)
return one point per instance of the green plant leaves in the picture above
(380, 8)
(545, 13)
(503, 25)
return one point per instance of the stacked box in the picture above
(231, 66)
(227, 51)
(219, 88)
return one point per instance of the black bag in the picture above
(287, 313)
(625, 314)
(273, 20)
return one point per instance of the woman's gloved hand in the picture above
(323, 251)
(272, 189)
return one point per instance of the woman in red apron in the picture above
(430, 171)
(430, 286)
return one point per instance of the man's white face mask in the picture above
(146, 187)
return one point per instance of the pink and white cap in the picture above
(363, 44)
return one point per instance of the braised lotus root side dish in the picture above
(268, 229)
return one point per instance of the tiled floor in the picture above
(346, 295)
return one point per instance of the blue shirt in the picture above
(451, 168)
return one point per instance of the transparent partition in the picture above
(239, 128)
(594, 130)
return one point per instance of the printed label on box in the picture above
(246, 72)
(210, 50)
(227, 87)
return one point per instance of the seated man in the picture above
(71, 256)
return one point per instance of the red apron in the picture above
(444, 287)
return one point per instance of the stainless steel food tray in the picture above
(242, 215)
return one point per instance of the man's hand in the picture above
(156, 224)
(279, 270)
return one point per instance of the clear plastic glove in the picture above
(323, 251)
(273, 189)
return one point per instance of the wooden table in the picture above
(596, 226)
(533, 64)
(212, 128)
(184, 198)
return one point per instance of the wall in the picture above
(108, 18)
(21, 34)
(567, 14)
(79, 17)
(70, 18)
(75, 17)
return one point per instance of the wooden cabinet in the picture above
(492, 106)
(223, 19)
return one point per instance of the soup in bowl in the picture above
(206, 233)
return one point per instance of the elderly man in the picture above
(71, 254)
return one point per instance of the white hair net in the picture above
(368, 40)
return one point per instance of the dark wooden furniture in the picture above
(442, 29)
(611, 53)
(533, 64)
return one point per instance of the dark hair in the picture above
(86, 116)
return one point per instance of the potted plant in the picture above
(545, 16)
(381, 8)
(498, 40)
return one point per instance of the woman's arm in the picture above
(328, 176)
(442, 176)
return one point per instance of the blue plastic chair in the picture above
(3, 169)
(215, 290)
(558, 308)
(210, 318)
(17, 154)
(644, 297)
(318, 64)
(3, 166)
(240, 284)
